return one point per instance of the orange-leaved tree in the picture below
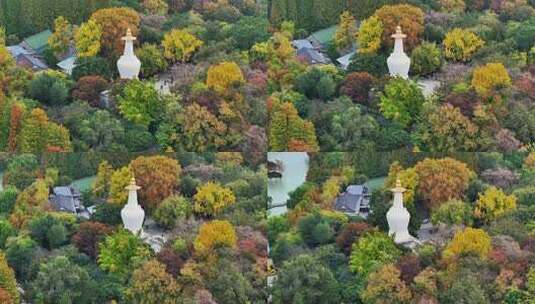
(440, 180)
(157, 176)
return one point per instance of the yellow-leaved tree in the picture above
(408, 178)
(470, 241)
(101, 185)
(118, 181)
(490, 77)
(223, 75)
(460, 44)
(8, 283)
(87, 39)
(369, 35)
(346, 32)
(493, 203)
(211, 198)
(59, 41)
(179, 45)
(213, 235)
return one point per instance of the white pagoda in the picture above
(398, 218)
(129, 65)
(398, 62)
(132, 213)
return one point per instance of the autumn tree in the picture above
(371, 252)
(224, 75)
(385, 286)
(15, 125)
(119, 179)
(285, 127)
(212, 198)
(121, 252)
(157, 176)
(493, 204)
(408, 178)
(38, 134)
(194, 128)
(33, 200)
(490, 77)
(441, 180)
(369, 35)
(357, 86)
(401, 101)
(152, 284)
(8, 283)
(346, 31)
(114, 22)
(213, 235)
(449, 130)
(89, 235)
(470, 241)
(179, 45)
(140, 102)
(87, 39)
(88, 88)
(155, 7)
(60, 40)
(350, 234)
(460, 44)
(410, 18)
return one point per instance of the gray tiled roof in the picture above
(313, 56)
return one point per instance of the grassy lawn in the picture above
(375, 183)
(84, 184)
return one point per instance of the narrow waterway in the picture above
(295, 168)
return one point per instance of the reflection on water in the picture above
(295, 167)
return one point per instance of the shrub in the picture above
(525, 195)
(170, 210)
(453, 212)
(152, 59)
(426, 59)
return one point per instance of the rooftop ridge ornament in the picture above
(398, 217)
(129, 65)
(132, 214)
(398, 62)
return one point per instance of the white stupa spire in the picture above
(398, 217)
(398, 62)
(132, 213)
(129, 65)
